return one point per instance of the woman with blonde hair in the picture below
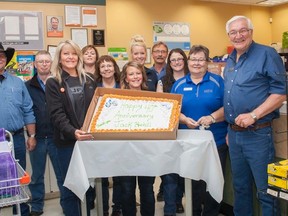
(68, 94)
(139, 54)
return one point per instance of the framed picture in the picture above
(54, 26)
(72, 15)
(148, 57)
(52, 50)
(98, 37)
(79, 36)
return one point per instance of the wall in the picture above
(58, 10)
(279, 16)
(128, 17)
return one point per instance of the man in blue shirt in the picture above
(44, 137)
(16, 112)
(254, 90)
(159, 55)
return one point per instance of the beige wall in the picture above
(128, 17)
(57, 10)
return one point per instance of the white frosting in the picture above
(124, 114)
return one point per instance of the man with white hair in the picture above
(254, 90)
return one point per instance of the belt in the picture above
(251, 127)
(17, 132)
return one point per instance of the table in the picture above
(193, 155)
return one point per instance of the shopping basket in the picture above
(13, 179)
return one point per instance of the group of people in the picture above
(238, 110)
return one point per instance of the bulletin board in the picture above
(21, 30)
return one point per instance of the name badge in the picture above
(188, 89)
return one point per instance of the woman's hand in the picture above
(205, 120)
(82, 135)
(191, 123)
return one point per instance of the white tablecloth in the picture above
(193, 155)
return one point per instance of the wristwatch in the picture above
(253, 115)
(32, 135)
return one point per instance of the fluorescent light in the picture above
(271, 2)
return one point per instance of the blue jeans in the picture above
(20, 154)
(38, 162)
(250, 153)
(117, 193)
(147, 199)
(70, 202)
(173, 189)
(201, 196)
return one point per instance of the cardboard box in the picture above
(278, 169)
(278, 182)
(280, 136)
(165, 135)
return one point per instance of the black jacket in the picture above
(43, 125)
(61, 110)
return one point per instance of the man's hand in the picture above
(31, 143)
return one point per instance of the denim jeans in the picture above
(250, 153)
(38, 162)
(201, 196)
(20, 154)
(173, 189)
(147, 198)
(70, 202)
(117, 193)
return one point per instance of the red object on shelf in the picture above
(230, 49)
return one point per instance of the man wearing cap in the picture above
(16, 112)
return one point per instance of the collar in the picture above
(206, 78)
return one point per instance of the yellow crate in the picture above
(278, 182)
(278, 169)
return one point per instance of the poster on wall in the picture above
(72, 16)
(25, 63)
(174, 34)
(21, 30)
(54, 26)
(120, 55)
(89, 16)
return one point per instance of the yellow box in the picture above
(278, 169)
(278, 182)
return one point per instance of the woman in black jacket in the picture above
(68, 94)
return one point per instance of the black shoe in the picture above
(105, 213)
(160, 196)
(116, 213)
(34, 213)
(179, 208)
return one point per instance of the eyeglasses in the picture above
(176, 60)
(242, 32)
(44, 61)
(159, 51)
(197, 60)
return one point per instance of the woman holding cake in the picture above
(202, 108)
(173, 184)
(139, 54)
(68, 95)
(133, 77)
(108, 76)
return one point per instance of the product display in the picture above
(120, 113)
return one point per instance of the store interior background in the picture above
(121, 19)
